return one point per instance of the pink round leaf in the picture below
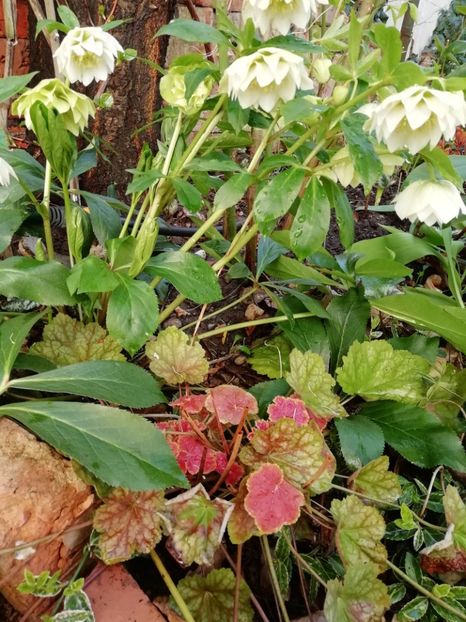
(230, 403)
(191, 404)
(288, 408)
(271, 500)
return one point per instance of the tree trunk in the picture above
(134, 87)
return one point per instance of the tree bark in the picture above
(133, 85)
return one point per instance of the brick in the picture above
(116, 597)
(22, 20)
(20, 56)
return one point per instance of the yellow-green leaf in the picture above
(376, 481)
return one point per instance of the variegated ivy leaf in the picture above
(128, 523)
(66, 341)
(241, 525)
(376, 481)
(360, 598)
(196, 525)
(212, 598)
(313, 384)
(360, 529)
(300, 452)
(272, 359)
(271, 500)
(175, 359)
(376, 371)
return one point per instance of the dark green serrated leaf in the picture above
(190, 30)
(276, 197)
(312, 220)
(366, 162)
(188, 195)
(122, 449)
(361, 440)
(13, 332)
(11, 85)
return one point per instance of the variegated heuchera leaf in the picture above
(300, 451)
(449, 555)
(360, 529)
(271, 500)
(175, 359)
(288, 408)
(212, 598)
(313, 384)
(196, 525)
(66, 341)
(273, 358)
(360, 598)
(376, 481)
(376, 371)
(446, 392)
(230, 403)
(128, 523)
(241, 525)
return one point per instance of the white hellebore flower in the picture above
(87, 54)
(430, 202)
(6, 173)
(266, 77)
(341, 166)
(278, 16)
(416, 117)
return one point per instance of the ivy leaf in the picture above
(196, 525)
(300, 452)
(241, 525)
(271, 500)
(66, 341)
(313, 384)
(376, 481)
(273, 358)
(175, 359)
(375, 371)
(128, 524)
(360, 598)
(360, 529)
(212, 598)
(230, 403)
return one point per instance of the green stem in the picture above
(134, 202)
(141, 212)
(46, 214)
(68, 214)
(422, 590)
(171, 307)
(225, 308)
(240, 325)
(302, 562)
(273, 576)
(172, 587)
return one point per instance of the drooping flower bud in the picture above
(430, 202)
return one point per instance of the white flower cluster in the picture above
(416, 117)
(266, 77)
(87, 54)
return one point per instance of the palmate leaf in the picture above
(241, 525)
(175, 359)
(375, 371)
(360, 529)
(230, 404)
(211, 598)
(196, 525)
(122, 449)
(300, 452)
(272, 358)
(66, 341)
(360, 598)
(313, 384)
(376, 481)
(271, 500)
(128, 523)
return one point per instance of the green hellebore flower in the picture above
(74, 107)
(173, 89)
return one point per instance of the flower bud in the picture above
(339, 95)
(320, 69)
(173, 90)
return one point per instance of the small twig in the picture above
(194, 15)
(274, 578)
(239, 551)
(429, 490)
